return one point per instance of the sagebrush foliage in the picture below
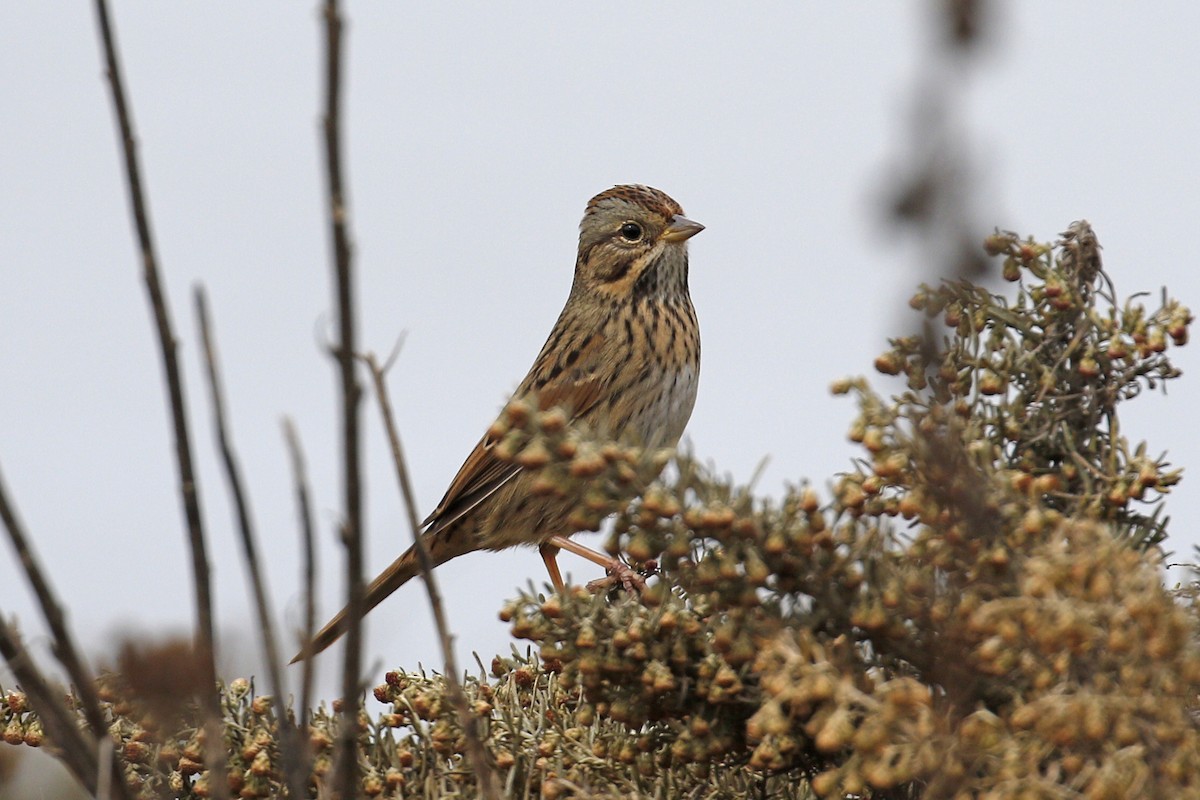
(974, 610)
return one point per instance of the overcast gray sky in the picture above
(475, 135)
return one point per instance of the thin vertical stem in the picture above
(205, 638)
(304, 507)
(346, 776)
(476, 753)
(290, 749)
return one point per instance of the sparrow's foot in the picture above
(619, 574)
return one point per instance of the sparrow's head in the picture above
(633, 241)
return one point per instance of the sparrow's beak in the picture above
(681, 229)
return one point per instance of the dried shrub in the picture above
(975, 609)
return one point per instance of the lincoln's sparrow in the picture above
(623, 360)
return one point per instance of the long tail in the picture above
(391, 579)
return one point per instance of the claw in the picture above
(621, 575)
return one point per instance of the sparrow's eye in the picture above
(631, 232)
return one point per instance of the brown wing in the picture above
(483, 473)
(480, 476)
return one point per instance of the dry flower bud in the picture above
(997, 243)
(852, 495)
(836, 732)
(889, 363)
(873, 440)
(261, 764)
(372, 785)
(13, 733)
(588, 461)
(586, 638)
(553, 420)
(17, 703)
(1011, 270)
(535, 455)
(826, 783)
(34, 736)
(189, 767)
(990, 383)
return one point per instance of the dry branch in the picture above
(289, 735)
(476, 753)
(49, 703)
(304, 508)
(352, 527)
(64, 644)
(205, 639)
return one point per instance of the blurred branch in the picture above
(476, 753)
(289, 736)
(60, 722)
(64, 644)
(933, 191)
(346, 772)
(106, 769)
(303, 505)
(79, 754)
(205, 640)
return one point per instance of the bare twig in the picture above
(237, 489)
(288, 734)
(476, 753)
(64, 644)
(346, 772)
(104, 777)
(300, 478)
(205, 638)
(60, 723)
